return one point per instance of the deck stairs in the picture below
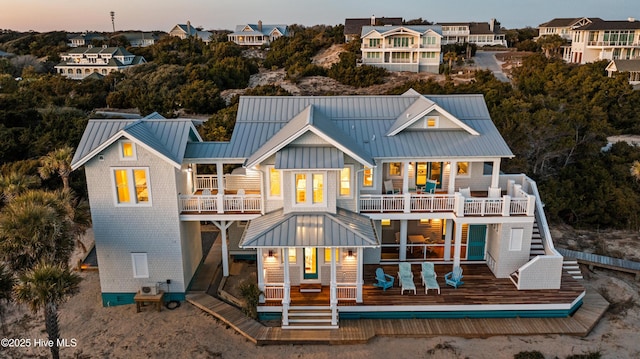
(537, 249)
(310, 317)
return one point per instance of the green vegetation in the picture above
(251, 295)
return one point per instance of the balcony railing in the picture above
(522, 204)
(228, 203)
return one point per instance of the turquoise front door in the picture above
(477, 241)
(310, 263)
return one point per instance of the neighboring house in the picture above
(604, 40)
(140, 39)
(81, 62)
(353, 27)
(562, 27)
(257, 34)
(84, 39)
(184, 31)
(479, 33)
(414, 48)
(630, 66)
(320, 191)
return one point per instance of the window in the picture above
(515, 242)
(275, 184)
(463, 169)
(431, 122)
(127, 150)
(429, 40)
(395, 169)
(367, 177)
(292, 256)
(301, 188)
(315, 182)
(327, 255)
(428, 55)
(345, 182)
(487, 169)
(132, 186)
(374, 42)
(140, 265)
(385, 222)
(373, 55)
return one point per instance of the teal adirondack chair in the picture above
(454, 278)
(383, 280)
(431, 186)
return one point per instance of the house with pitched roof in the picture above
(81, 62)
(353, 26)
(319, 192)
(415, 48)
(140, 38)
(479, 33)
(185, 31)
(257, 34)
(630, 66)
(605, 40)
(563, 27)
(84, 39)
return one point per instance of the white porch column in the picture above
(458, 245)
(286, 295)
(260, 269)
(495, 174)
(333, 289)
(220, 177)
(447, 239)
(223, 225)
(405, 177)
(359, 276)
(403, 240)
(453, 170)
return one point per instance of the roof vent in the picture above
(631, 19)
(408, 115)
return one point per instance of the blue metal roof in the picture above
(309, 158)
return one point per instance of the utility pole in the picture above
(113, 24)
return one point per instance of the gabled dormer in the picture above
(426, 115)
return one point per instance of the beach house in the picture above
(321, 192)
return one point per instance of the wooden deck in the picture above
(362, 330)
(480, 288)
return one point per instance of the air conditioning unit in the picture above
(149, 289)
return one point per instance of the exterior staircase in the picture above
(537, 248)
(310, 317)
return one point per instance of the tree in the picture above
(14, 183)
(57, 161)
(551, 45)
(635, 170)
(36, 226)
(46, 286)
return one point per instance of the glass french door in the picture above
(428, 170)
(310, 263)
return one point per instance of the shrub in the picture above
(251, 295)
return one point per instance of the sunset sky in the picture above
(76, 15)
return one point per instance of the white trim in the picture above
(515, 239)
(140, 265)
(132, 187)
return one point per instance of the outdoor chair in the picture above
(494, 192)
(404, 272)
(465, 192)
(431, 186)
(429, 275)
(454, 278)
(206, 192)
(388, 187)
(383, 280)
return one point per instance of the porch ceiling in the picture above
(342, 229)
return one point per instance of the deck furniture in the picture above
(465, 192)
(431, 186)
(383, 280)
(388, 188)
(454, 278)
(429, 275)
(406, 277)
(417, 239)
(494, 192)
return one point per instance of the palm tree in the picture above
(46, 286)
(59, 161)
(15, 183)
(35, 226)
(450, 57)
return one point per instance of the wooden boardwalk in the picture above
(363, 330)
(595, 260)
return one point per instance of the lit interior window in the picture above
(367, 180)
